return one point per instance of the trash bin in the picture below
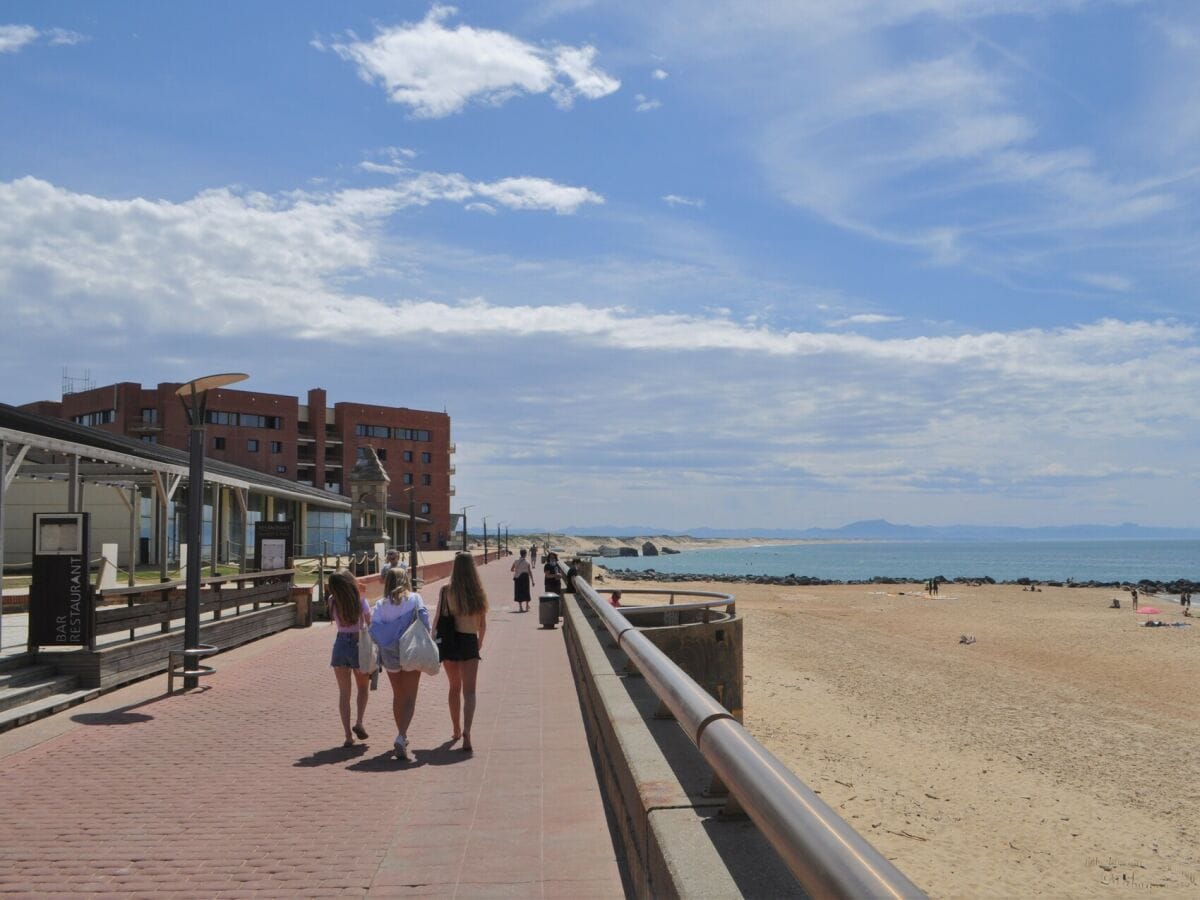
(548, 610)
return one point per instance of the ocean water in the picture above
(919, 560)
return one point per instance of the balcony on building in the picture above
(453, 447)
(145, 425)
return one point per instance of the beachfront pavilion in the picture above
(136, 493)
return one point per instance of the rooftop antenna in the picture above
(74, 384)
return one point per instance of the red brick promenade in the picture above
(243, 788)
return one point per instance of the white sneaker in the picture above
(401, 747)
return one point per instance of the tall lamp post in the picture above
(194, 396)
(499, 542)
(412, 538)
(485, 552)
(464, 515)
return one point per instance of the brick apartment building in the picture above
(313, 444)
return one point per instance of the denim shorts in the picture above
(345, 650)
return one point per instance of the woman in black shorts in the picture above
(460, 626)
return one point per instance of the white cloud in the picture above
(14, 37)
(17, 37)
(643, 104)
(436, 70)
(536, 193)
(678, 200)
(659, 75)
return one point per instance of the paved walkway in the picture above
(242, 787)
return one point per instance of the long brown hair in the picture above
(466, 588)
(396, 585)
(343, 594)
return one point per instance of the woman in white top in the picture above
(401, 606)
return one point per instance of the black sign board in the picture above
(273, 542)
(60, 597)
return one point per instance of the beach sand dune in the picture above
(1056, 756)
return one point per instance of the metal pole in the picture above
(412, 538)
(321, 575)
(485, 553)
(3, 479)
(464, 529)
(191, 615)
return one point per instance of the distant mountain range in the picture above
(883, 530)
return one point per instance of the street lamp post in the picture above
(412, 538)
(464, 515)
(485, 550)
(195, 391)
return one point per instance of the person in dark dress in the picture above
(522, 579)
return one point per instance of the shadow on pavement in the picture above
(384, 762)
(444, 755)
(330, 757)
(123, 715)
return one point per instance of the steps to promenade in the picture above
(30, 690)
(242, 787)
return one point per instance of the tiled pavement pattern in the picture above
(242, 788)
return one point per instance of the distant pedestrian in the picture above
(522, 581)
(551, 578)
(392, 560)
(615, 598)
(460, 624)
(1133, 596)
(351, 614)
(533, 555)
(396, 611)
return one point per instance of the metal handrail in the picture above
(718, 599)
(827, 856)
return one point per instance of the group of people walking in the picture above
(523, 567)
(458, 627)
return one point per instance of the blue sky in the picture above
(783, 264)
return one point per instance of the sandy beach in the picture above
(1056, 756)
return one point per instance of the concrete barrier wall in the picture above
(676, 840)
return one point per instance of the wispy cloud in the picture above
(865, 319)
(17, 37)
(645, 104)
(437, 70)
(678, 200)
(1108, 282)
(659, 75)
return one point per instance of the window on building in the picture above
(149, 415)
(425, 537)
(220, 417)
(218, 443)
(149, 438)
(426, 457)
(281, 469)
(378, 431)
(100, 417)
(408, 478)
(425, 510)
(408, 457)
(381, 453)
(427, 480)
(276, 446)
(252, 445)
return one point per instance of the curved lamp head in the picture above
(208, 382)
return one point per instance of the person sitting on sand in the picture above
(1116, 604)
